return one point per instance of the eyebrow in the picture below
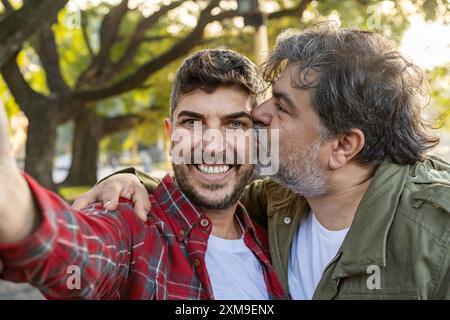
(235, 115)
(283, 96)
(191, 114)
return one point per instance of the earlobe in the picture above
(337, 159)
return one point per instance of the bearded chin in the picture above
(199, 199)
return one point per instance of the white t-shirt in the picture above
(234, 271)
(312, 249)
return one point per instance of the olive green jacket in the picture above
(398, 246)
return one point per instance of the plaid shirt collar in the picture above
(185, 215)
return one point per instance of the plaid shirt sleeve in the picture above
(95, 244)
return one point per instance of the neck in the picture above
(224, 225)
(336, 209)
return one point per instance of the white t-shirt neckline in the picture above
(234, 271)
(312, 249)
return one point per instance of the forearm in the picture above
(19, 215)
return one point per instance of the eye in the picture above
(236, 125)
(279, 107)
(190, 123)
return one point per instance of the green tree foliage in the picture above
(440, 84)
(112, 64)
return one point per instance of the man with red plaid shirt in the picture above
(198, 242)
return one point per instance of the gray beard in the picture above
(303, 176)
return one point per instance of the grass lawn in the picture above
(71, 193)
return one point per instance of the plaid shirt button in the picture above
(181, 233)
(196, 262)
(204, 223)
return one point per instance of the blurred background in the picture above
(86, 83)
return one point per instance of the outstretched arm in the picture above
(43, 241)
(18, 214)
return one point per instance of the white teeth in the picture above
(213, 169)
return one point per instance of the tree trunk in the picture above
(40, 146)
(89, 130)
(85, 149)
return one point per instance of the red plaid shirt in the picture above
(119, 257)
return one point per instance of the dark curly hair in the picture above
(211, 68)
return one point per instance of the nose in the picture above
(214, 143)
(261, 114)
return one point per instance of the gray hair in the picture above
(358, 79)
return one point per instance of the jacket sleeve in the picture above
(73, 254)
(150, 183)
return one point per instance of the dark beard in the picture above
(181, 178)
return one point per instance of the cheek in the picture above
(246, 151)
(325, 154)
(243, 144)
(182, 143)
(291, 139)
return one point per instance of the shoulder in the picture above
(425, 199)
(275, 192)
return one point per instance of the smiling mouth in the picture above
(213, 169)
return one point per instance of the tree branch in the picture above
(138, 37)
(296, 11)
(16, 27)
(48, 55)
(156, 63)
(179, 49)
(110, 28)
(84, 25)
(8, 7)
(24, 95)
(108, 34)
(120, 123)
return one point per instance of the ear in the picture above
(169, 130)
(168, 126)
(345, 148)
